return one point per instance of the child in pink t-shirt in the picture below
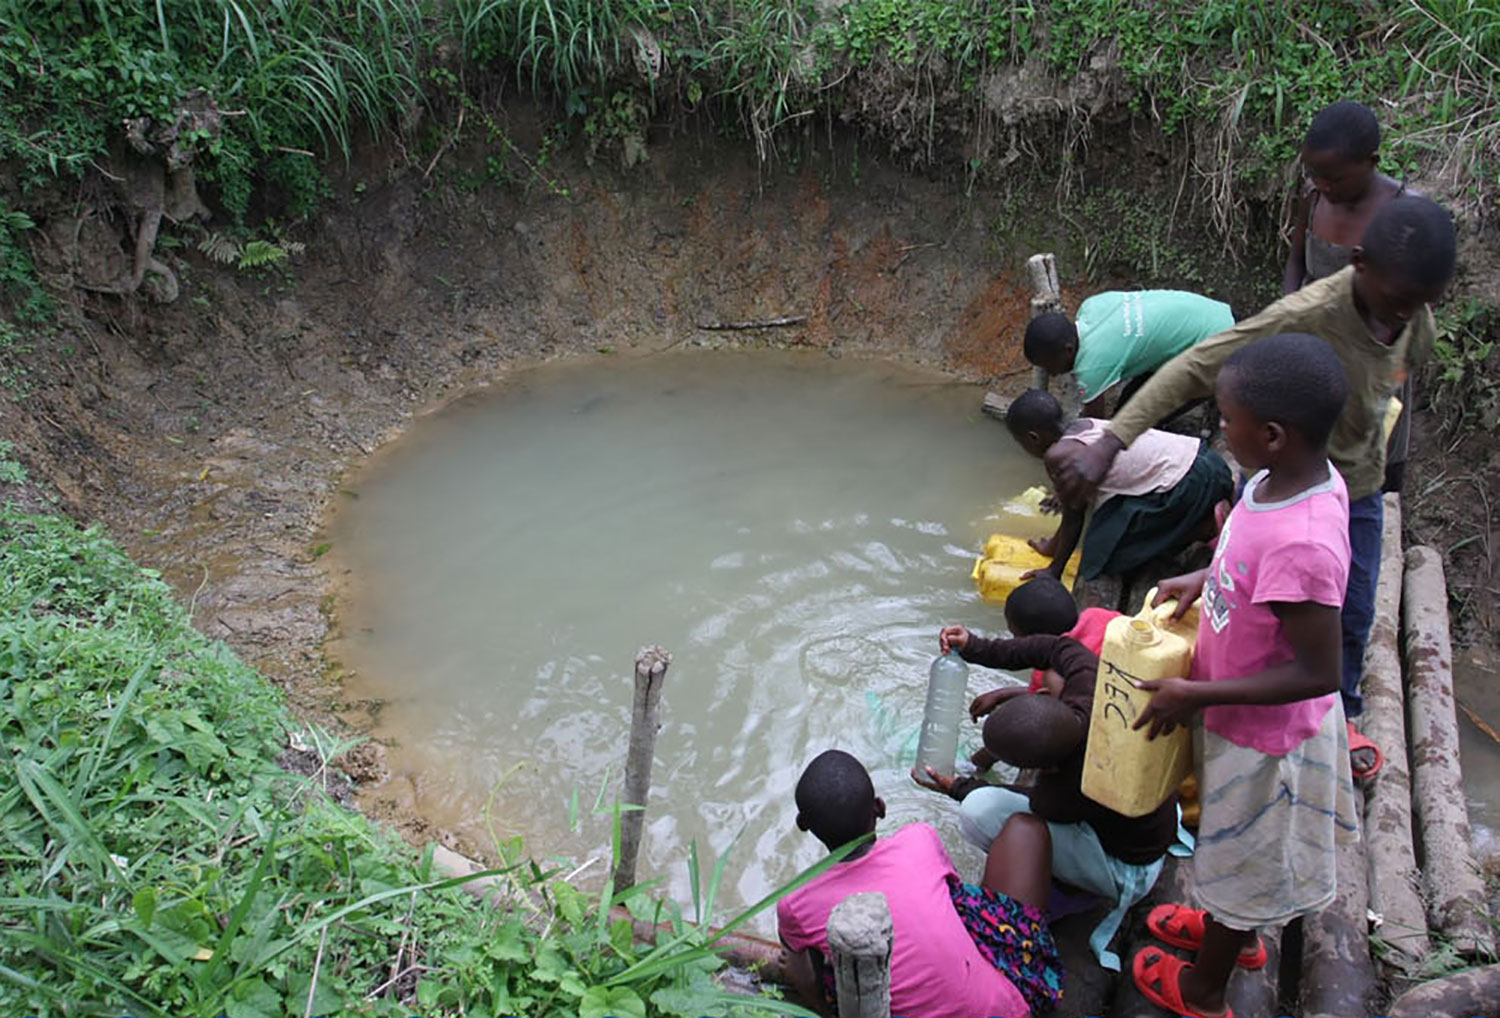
(958, 950)
(1273, 757)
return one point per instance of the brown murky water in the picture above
(1476, 682)
(793, 528)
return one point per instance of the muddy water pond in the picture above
(793, 528)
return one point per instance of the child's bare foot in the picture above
(983, 759)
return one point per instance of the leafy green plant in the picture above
(157, 859)
(1466, 363)
(249, 253)
(11, 471)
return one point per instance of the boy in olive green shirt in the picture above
(1375, 316)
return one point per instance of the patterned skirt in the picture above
(1015, 939)
(1270, 826)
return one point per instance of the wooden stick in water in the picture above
(645, 720)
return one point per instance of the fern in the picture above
(220, 248)
(252, 254)
(256, 253)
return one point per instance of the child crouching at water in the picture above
(1093, 848)
(1041, 606)
(1273, 757)
(1158, 500)
(959, 950)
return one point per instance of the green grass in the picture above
(155, 860)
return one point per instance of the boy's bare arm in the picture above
(803, 972)
(1316, 637)
(1295, 273)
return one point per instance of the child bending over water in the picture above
(1041, 606)
(959, 950)
(1093, 848)
(1158, 496)
(1121, 336)
(1272, 755)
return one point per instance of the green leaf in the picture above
(144, 902)
(611, 1002)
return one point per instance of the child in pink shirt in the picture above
(958, 950)
(1273, 757)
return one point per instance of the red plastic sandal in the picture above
(1182, 927)
(1358, 743)
(1158, 975)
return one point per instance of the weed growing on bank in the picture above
(157, 861)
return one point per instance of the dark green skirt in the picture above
(1127, 531)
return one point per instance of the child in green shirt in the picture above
(1121, 336)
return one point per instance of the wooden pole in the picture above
(1462, 995)
(859, 937)
(645, 720)
(1337, 975)
(1390, 855)
(1046, 296)
(1450, 875)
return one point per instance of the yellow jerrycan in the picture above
(1122, 769)
(998, 571)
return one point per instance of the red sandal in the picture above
(1158, 975)
(1357, 743)
(1182, 927)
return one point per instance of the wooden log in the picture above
(1337, 974)
(1257, 992)
(1469, 994)
(1451, 879)
(645, 720)
(1390, 855)
(859, 938)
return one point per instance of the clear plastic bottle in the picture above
(947, 696)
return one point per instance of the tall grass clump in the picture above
(292, 82)
(156, 860)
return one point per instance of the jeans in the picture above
(1366, 517)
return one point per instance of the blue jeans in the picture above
(1366, 518)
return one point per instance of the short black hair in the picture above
(1041, 607)
(1047, 336)
(836, 798)
(1412, 239)
(1034, 410)
(1293, 379)
(1347, 129)
(1032, 731)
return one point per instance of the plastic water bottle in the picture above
(947, 695)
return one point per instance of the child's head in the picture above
(1035, 420)
(1051, 343)
(1405, 259)
(1032, 731)
(836, 800)
(1279, 398)
(1339, 152)
(1040, 607)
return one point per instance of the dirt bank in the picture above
(210, 435)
